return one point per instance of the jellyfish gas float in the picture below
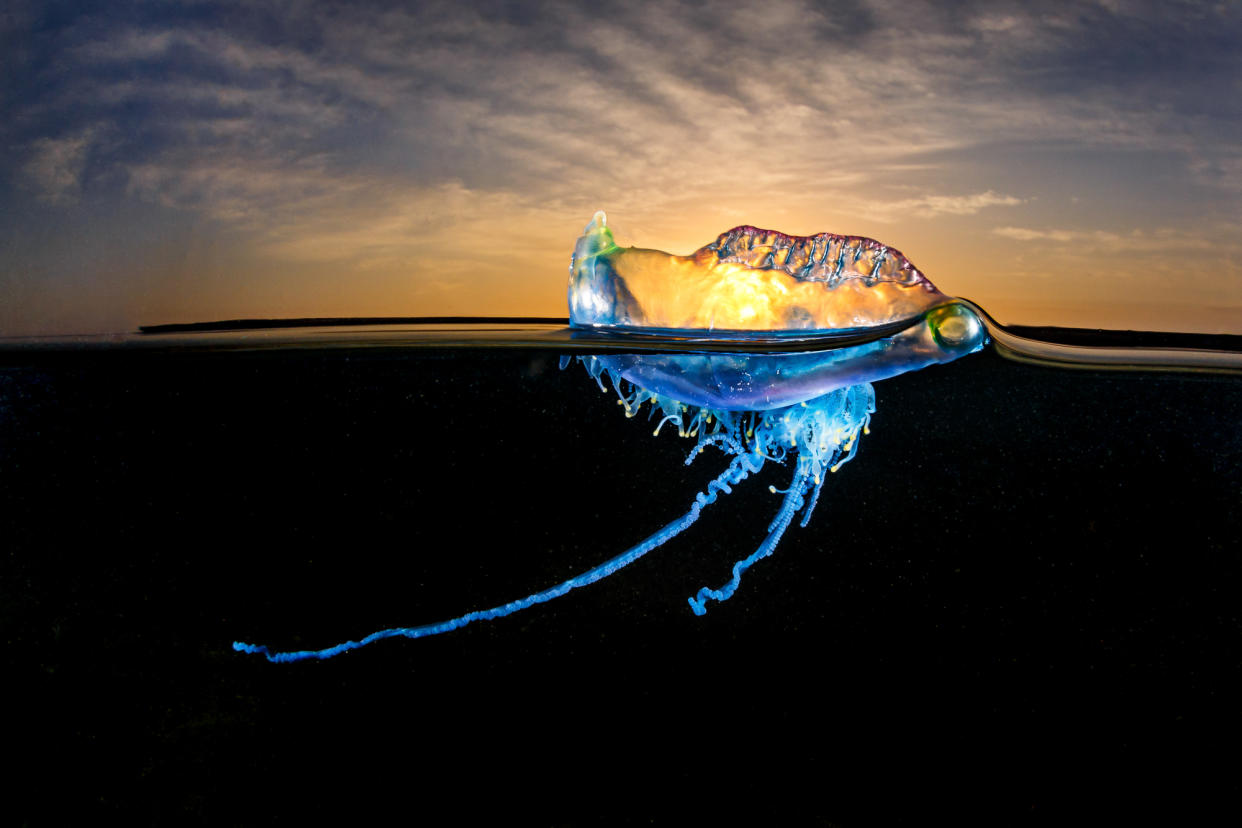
(859, 312)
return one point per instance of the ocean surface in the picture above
(1019, 602)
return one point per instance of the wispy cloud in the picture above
(642, 108)
(929, 206)
(1136, 241)
(55, 165)
(1060, 236)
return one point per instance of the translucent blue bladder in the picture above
(806, 410)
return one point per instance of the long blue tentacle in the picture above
(794, 498)
(741, 467)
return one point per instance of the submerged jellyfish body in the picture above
(807, 408)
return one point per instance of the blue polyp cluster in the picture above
(818, 436)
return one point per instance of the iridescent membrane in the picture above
(747, 280)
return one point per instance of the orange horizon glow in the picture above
(1127, 293)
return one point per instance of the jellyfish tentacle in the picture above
(730, 445)
(821, 466)
(810, 508)
(741, 467)
(660, 424)
(793, 501)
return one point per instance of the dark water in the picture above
(1025, 589)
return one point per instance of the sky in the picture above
(1067, 163)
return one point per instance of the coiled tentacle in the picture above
(794, 498)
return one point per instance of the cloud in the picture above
(936, 205)
(562, 102)
(1136, 241)
(361, 139)
(1061, 236)
(54, 166)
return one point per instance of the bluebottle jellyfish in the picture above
(855, 310)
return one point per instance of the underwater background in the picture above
(1018, 603)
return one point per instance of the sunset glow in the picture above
(171, 163)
